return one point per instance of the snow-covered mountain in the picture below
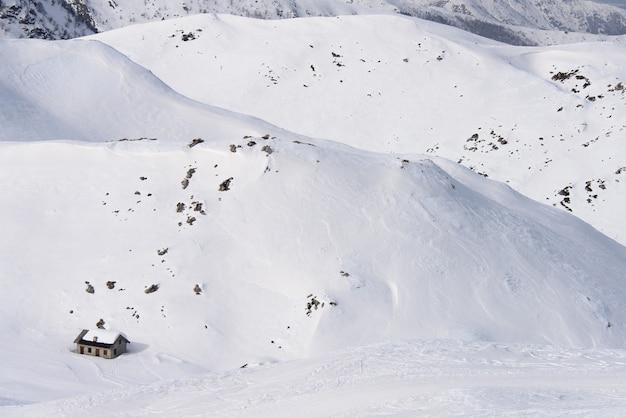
(262, 245)
(274, 214)
(502, 20)
(61, 19)
(570, 15)
(519, 22)
(64, 19)
(518, 115)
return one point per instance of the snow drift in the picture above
(88, 91)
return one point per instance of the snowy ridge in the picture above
(88, 91)
(528, 22)
(514, 114)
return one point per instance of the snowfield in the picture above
(286, 218)
(401, 378)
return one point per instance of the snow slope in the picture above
(388, 252)
(88, 91)
(215, 240)
(401, 378)
(393, 84)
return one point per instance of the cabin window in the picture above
(115, 351)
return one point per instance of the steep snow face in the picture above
(211, 259)
(545, 120)
(399, 378)
(88, 91)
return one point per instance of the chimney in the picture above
(95, 339)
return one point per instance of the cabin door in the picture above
(97, 352)
(82, 350)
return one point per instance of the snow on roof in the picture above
(102, 336)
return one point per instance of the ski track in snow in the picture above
(403, 378)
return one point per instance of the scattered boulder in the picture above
(90, 288)
(197, 207)
(100, 324)
(225, 185)
(111, 284)
(195, 142)
(152, 288)
(197, 289)
(565, 191)
(188, 37)
(312, 304)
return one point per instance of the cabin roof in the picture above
(99, 337)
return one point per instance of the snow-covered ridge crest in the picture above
(88, 91)
(519, 22)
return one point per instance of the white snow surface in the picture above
(88, 91)
(404, 378)
(262, 272)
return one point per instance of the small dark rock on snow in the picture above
(152, 288)
(225, 185)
